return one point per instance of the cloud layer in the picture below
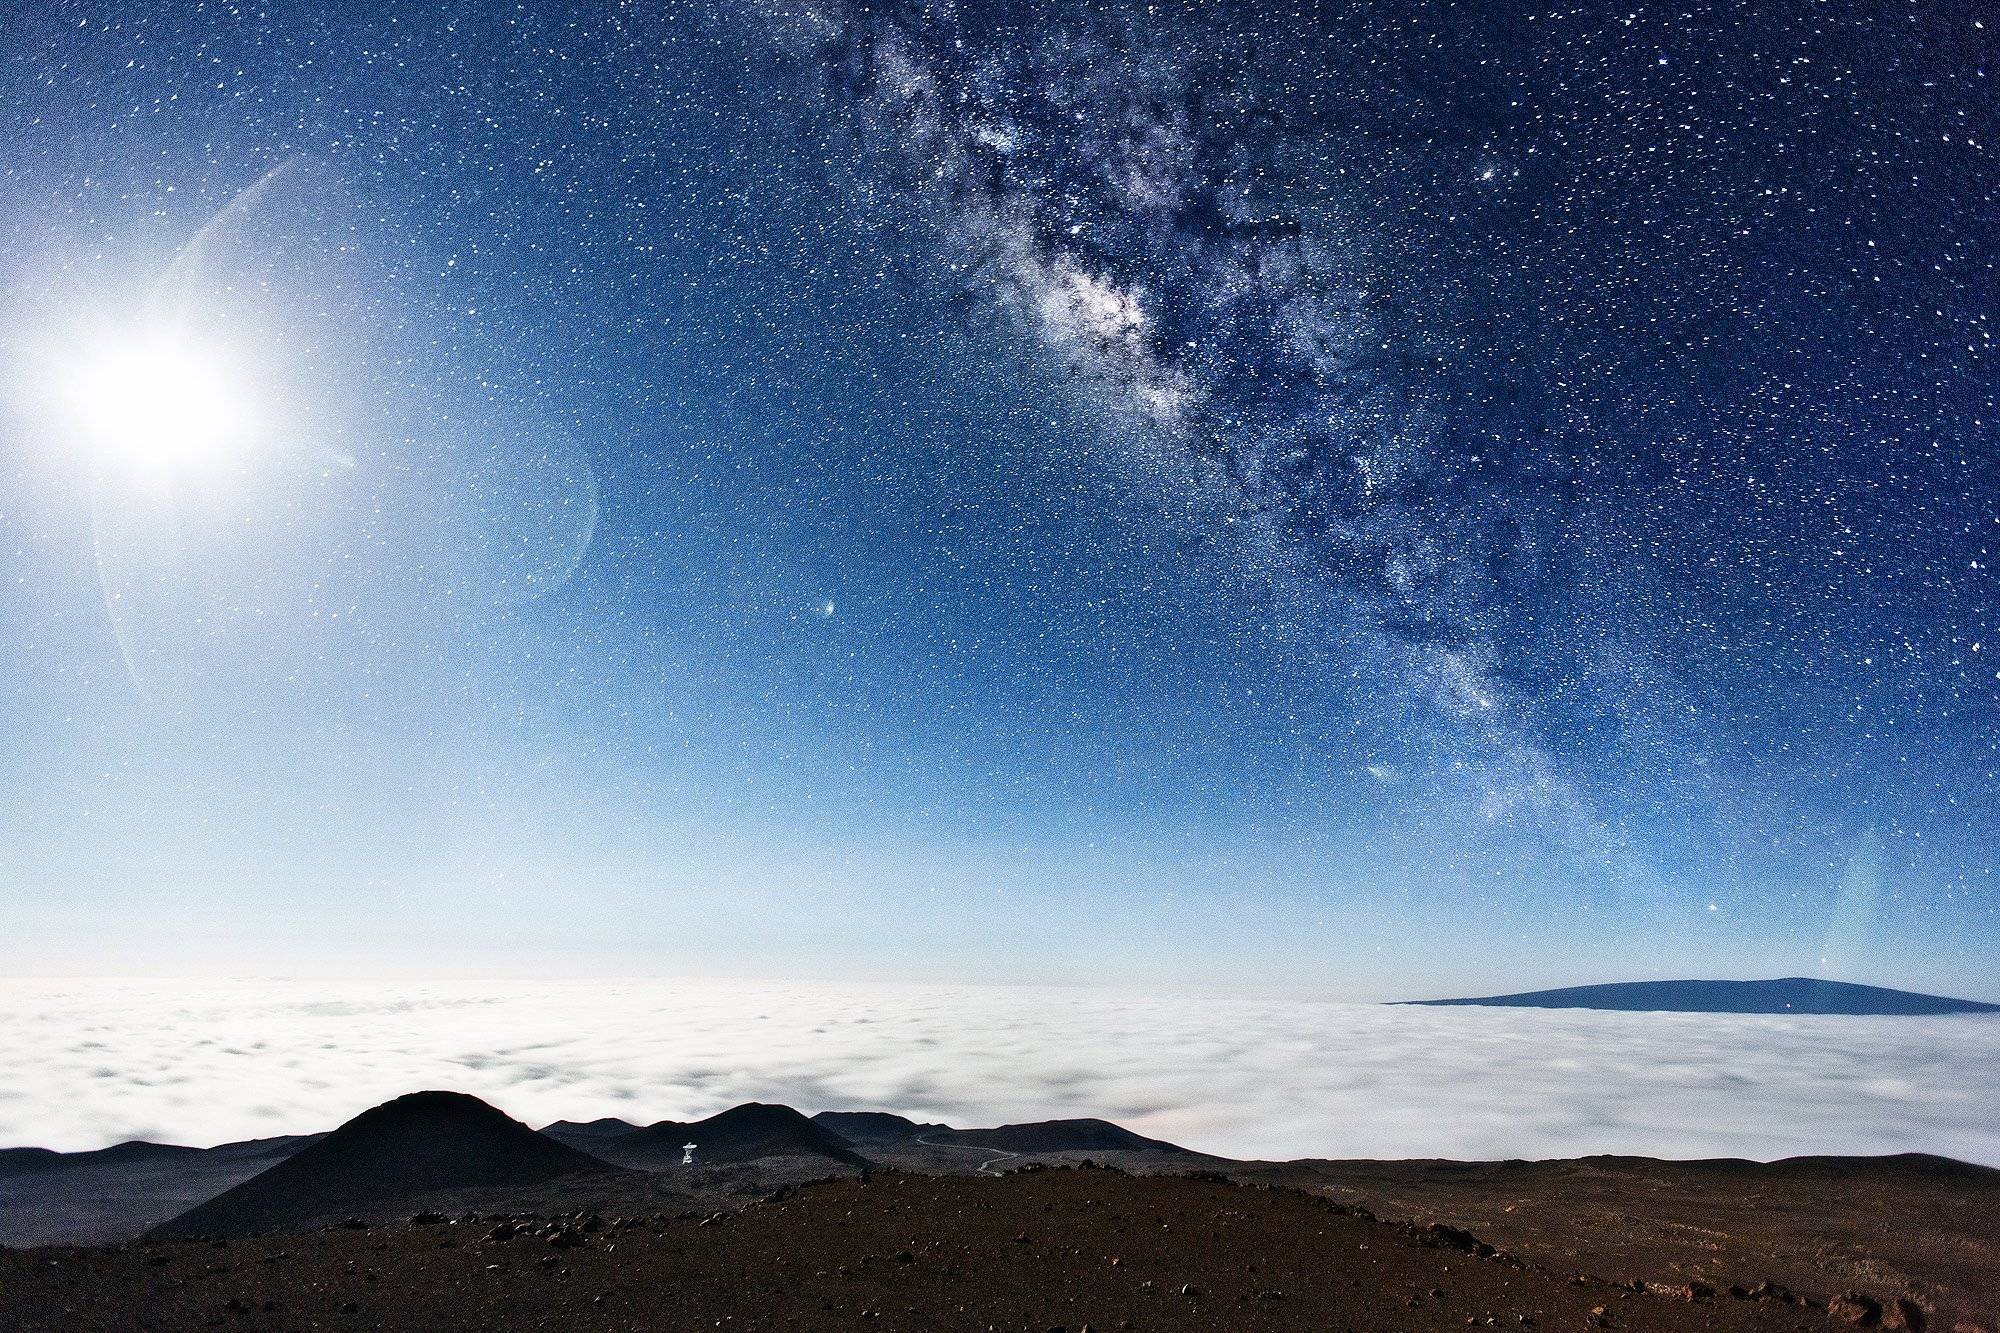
(91, 1063)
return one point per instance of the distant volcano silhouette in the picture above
(740, 1134)
(877, 1126)
(577, 1132)
(1058, 1136)
(20, 1161)
(1786, 995)
(416, 1144)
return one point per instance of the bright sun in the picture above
(160, 400)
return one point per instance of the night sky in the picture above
(1373, 498)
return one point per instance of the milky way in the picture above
(1478, 314)
(1045, 489)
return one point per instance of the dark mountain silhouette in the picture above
(424, 1142)
(16, 1161)
(1057, 1136)
(578, 1133)
(1914, 1168)
(132, 1150)
(116, 1193)
(281, 1145)
(1786, 995)
(877, 1126)
(21, 1161)
(740, 1134)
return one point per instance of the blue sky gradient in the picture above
(1373, 500)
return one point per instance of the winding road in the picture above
(985, 1167)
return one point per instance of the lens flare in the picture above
(160, 400)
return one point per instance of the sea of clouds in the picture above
(89, 1063)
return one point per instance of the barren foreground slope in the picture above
(1037, 1250)
(1925, 1230)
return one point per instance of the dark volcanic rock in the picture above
(889, 1253)
(1924, 1228)
(740, 1134)
(427, 1141)
(1786, 995)
(1855, 1308)
(1454, 1238)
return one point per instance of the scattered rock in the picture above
(1855, 1308)
(1904, 1313)
(1452, 1238)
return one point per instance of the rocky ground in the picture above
(1038, 1250)
(1924, 1231)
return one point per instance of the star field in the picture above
(1499, 477)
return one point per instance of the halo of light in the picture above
(153, 400)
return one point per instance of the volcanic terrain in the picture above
(1041, 1250)
(437, 1210)
(423, 1142)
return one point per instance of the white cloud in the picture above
(94, 1062)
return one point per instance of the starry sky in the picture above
(1368, 498)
